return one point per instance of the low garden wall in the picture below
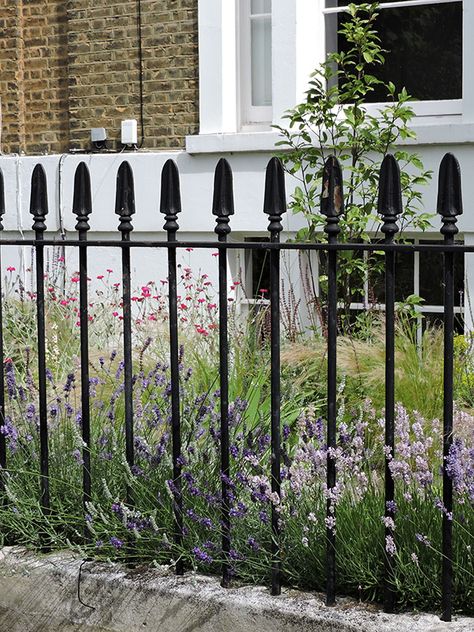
(54, 594)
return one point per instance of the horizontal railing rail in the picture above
(247, 245)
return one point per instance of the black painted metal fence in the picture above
(389, 206)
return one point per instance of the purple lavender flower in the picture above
(10, 379)
(116, 543)
(423, 539)
(202, 556)
(69, 382)
(253, 544)
(10, 432)
(390, 546)
(78, 456)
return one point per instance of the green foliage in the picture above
(335, 120)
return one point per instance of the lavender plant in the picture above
(108, 525)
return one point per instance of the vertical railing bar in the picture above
(275, 206)
(331, 421)
(82, 208)
(125, 208)
(3, 443)
(39, 210)
(224, 402)
(275, 409)
(170, 206)
(331, 206)
(223, 207)
(390, 207)
(449, 206)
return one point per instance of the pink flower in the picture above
(146, 291)
(152, 317)
(11, 269)
(211, 306)
(114, 313)
(183, 306)
(201, 300)
(101, 276)
(215, 254)
(75, 279)
(116, 285)
(109, 271)
(64, 302)
(189, 249)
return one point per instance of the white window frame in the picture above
(297, 27)
(250, 115)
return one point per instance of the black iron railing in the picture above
(390, 208)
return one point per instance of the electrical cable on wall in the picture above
(140, 70)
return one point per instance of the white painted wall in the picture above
(196, 220)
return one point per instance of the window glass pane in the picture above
(260, 264)
(432, 277)
(260, 6)
(261, 59)
(404, 271)
(424, 50)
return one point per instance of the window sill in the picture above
(430, 130)
(228, 143)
